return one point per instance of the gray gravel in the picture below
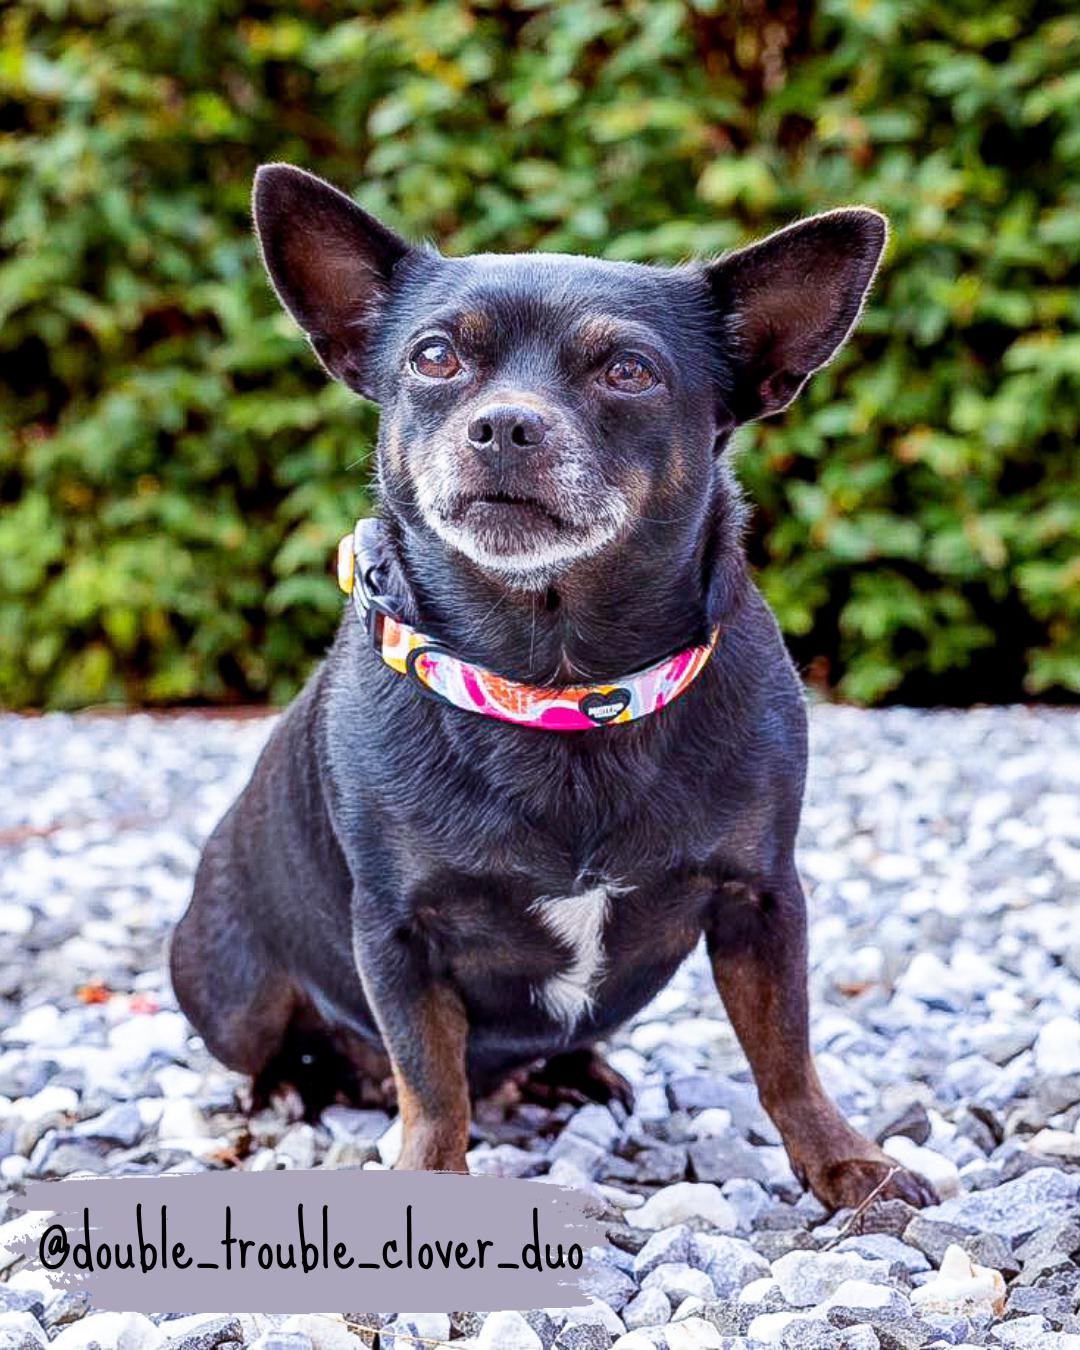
(942, 855)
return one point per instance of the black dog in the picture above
(412, 889)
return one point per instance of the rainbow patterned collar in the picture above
(438, 672)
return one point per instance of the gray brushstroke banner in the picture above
(300, 1241)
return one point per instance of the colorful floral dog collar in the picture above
(568, 708)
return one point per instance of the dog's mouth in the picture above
(506, 513)
(522, 531)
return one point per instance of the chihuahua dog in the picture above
(557, 737)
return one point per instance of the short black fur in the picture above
(384, 875)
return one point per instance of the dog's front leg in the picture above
(424, 1031)
(757, 944)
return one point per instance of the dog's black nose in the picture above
(506, 427)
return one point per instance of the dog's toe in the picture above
(851, 1182)
(913, 1188)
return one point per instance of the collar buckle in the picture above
(371, 605)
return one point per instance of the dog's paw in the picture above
(577, 1077)
(847, 1183)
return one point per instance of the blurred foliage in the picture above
(175, 470)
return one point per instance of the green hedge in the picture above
(175, 470)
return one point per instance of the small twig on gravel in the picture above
(860, 1209)
(22, 834)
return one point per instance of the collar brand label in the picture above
(601, 708)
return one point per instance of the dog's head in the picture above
(537, 407)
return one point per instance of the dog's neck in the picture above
(656, 592)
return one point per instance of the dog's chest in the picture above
(567, 955)
(578, 923)
(610, 939)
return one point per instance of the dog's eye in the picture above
(631, 374)
(436, 359)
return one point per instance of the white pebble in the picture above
(40, 1026)
(961, 1286)
(15, 920)
(679, 1281)
(389, 1143)
(1056, 1144)
(685, 1200)
(713, 1121)
(507, 1331)
(181, 1119)
(757, 1290)
(769, 1328)
(21, 1331)
(50, 1101)
(144, 1034)
(941, 1172)
(118, 1331)
(861, 1294)
(1057, 1047)
(329, 1332)
(176, 1081)
(808, 1277)
(651, 1308)
(596, 1311)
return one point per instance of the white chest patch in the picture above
(576, 922)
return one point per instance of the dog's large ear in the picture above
(787, 304)
(330, 262)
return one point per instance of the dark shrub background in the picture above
(175, 470)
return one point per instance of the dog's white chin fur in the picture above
(533, 569)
